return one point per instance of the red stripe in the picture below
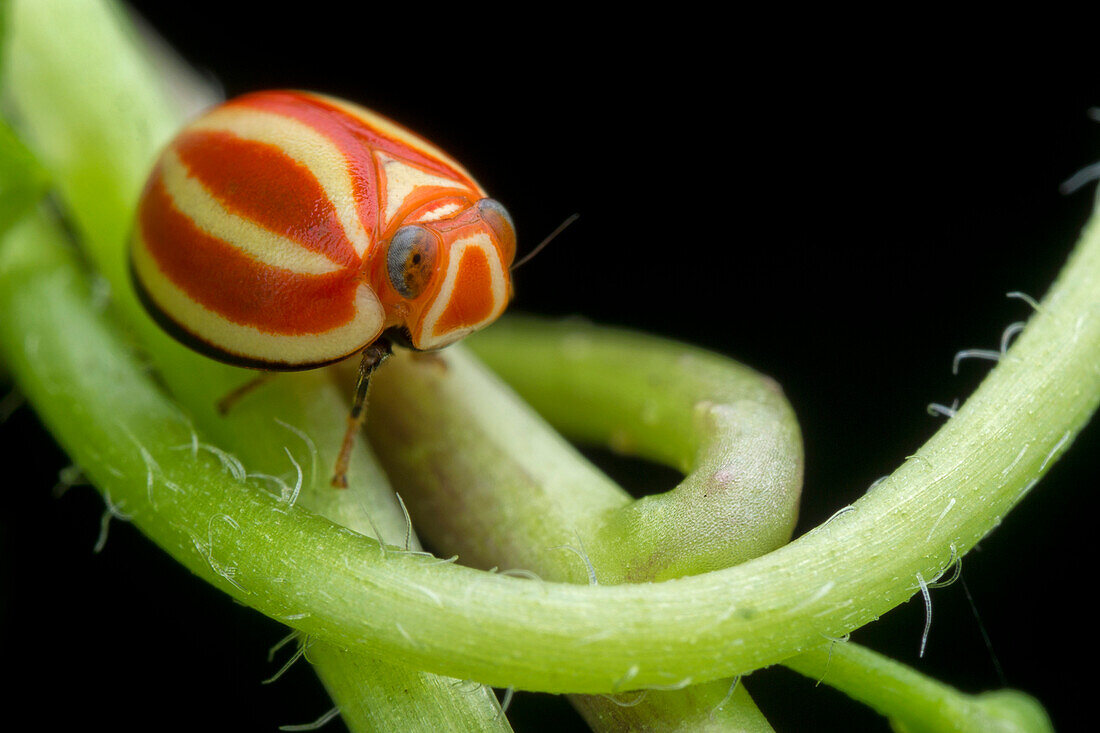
(355, 139)
(472, 297)
(262, 183)
(221, 278)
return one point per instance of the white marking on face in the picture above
(439, 212)
(429, 339)
(402, 179)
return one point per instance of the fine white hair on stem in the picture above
(284, 489)
(151, 465)
(1019, 457)
(1026, 298)
(935, 408)
(377, 532)
(192, 445)
(729, 694)
(319, 723)
(974, 354)
(829, 657)
(939, 519)
(583, 555)
(817, 596)
(838, 512)
(641, 696)
(1054, 450)
(927, 613)
(68, 477)
(876, 483)
(281, 643)
(295, 616)
(310, 446)
(298, 484)
(957, 563)
(228, 572)
(467, 686)
(1080, 179)
(298, 653)
(112, 510)
(506, 701)
(626, 679)
(429, 593)
(1007, 335)
(435, 560)
(408, 520)
(521, 573)
(229, 462)
(917, 457)
(1027, 489)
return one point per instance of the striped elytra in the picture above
(286, 230)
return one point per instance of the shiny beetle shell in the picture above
(285, 230)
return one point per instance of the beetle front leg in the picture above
(226, 403)
(373, 356)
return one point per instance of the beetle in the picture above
(287, 230)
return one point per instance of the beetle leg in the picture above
(226, 403)
(373, 355)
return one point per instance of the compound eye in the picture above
(494, 214)
(410, 260)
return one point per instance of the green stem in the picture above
(409, 701)
(550, 636)
(913, 702)
(434, 431)
(486, 479)
(104, 409)
(34, 256)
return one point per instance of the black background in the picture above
(840, 209)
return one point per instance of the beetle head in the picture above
(451, 275)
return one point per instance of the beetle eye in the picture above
(500, 221)
(410, 260)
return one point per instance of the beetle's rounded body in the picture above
(286, 230)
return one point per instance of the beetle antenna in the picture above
(549, 238)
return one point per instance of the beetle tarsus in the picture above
(373, 356)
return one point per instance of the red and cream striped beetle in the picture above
(285, 230)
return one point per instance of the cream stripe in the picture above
(392, 130)
(249, 341)
(429, 339)
(304, 145)
(438, 213)
(403, 179)
(192, 199)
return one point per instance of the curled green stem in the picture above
(340, 586)
(486, 479)
(549, 636)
